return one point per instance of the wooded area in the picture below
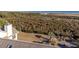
(66, 26)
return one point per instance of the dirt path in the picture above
(30, 36)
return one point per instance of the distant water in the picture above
(63, 12)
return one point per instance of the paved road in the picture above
(67, 44)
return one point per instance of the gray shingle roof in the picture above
(6, 43)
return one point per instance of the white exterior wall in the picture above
(3, 34)
(16, 36)
(8, 29)
(8, 32)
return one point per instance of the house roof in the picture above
(6, 43)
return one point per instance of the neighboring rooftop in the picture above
(6, 43)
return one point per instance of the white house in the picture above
(8, 32)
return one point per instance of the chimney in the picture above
(8, 29)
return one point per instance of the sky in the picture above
(39, 5)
